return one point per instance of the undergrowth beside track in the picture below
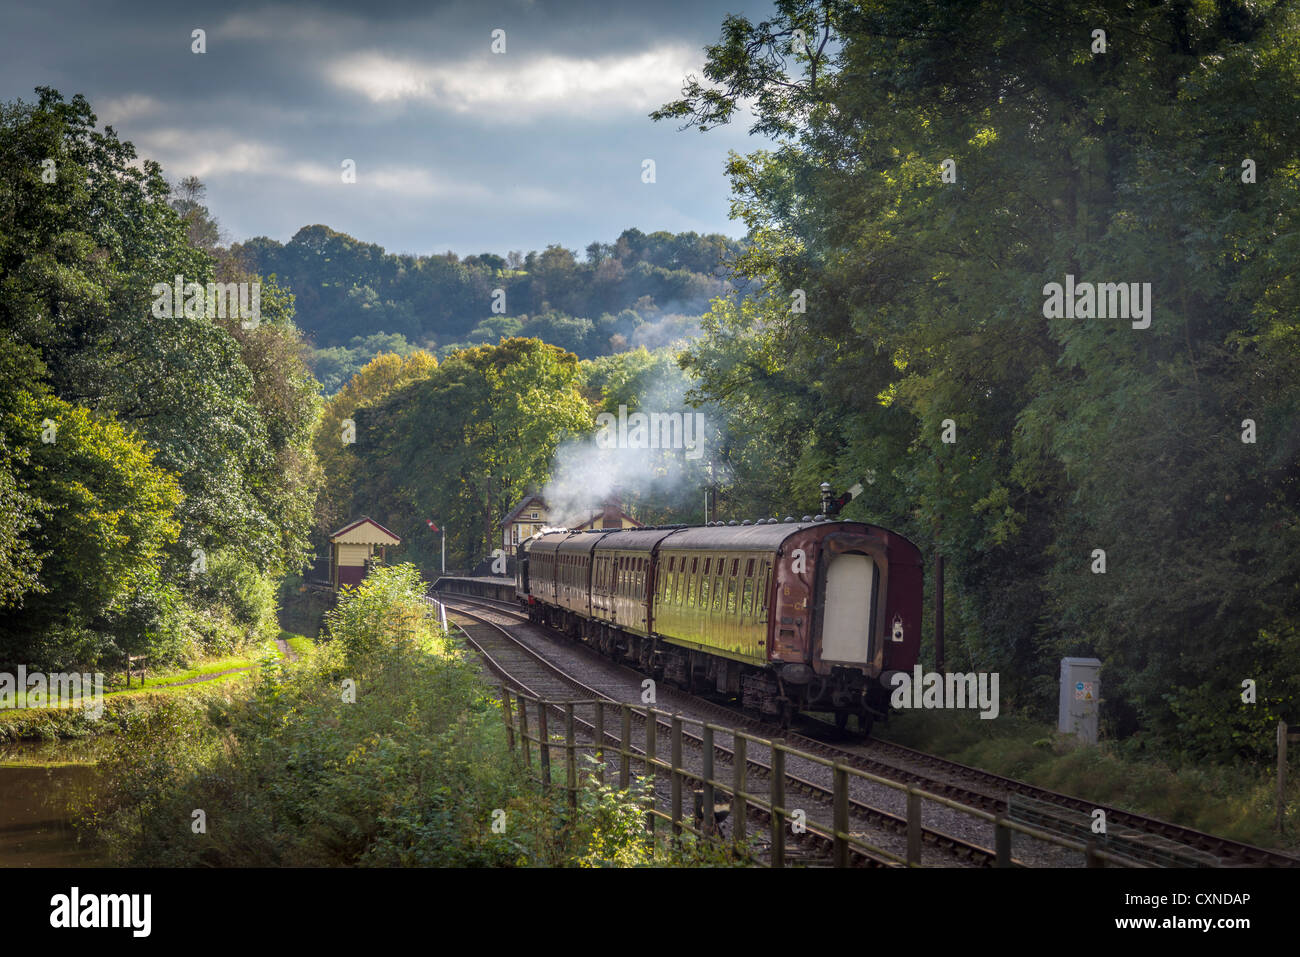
(1234, 801)
(383, 747)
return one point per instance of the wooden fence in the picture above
(523, 713)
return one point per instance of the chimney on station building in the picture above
(612, 511)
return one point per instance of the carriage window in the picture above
(690, 591)
(749, 568)
(731, 596)
(717, 594)
(704, 593)
(747, 600)
(707, 562)
(735, 566)
(695, 564)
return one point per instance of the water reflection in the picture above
(35, 822)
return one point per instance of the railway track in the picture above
(524, 669)
(1146, 839)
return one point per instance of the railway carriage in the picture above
(539, 579)
(573, 574)
(784, 616)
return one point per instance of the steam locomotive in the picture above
(812, 615)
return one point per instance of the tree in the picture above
(339, 459)
(924, 316)
(149, 396)
(461, 444)
(105, 518)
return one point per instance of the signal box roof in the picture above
(365, 531)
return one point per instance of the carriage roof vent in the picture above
(789, 518)
(806, 518)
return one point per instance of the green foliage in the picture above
(382, 616)
(924, 304)
(597, 306)
(459, 444)
(414, 773)
(1138, 774)
(106, 516)
(174, 434)
(337, 365)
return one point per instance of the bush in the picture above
(411, 769)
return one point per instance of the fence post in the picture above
(600, 741)
(1002, 842)
(677, 775)
(1281, 774)
(510, 723)
(707, 816)
(1090, 855)
(913, 827)
(543, 745)
(651, 741)
(523, 730)
(625, 750)
(570, 757)
(778, 805)
(740, 771)
(841, 816)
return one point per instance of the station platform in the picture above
(499, 587)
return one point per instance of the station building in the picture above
(352, 550)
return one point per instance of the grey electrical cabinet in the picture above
(1080, 698)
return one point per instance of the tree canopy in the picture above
(935, 166)
(133, 445)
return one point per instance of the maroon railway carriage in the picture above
(784, 616)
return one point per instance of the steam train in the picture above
(811, 615)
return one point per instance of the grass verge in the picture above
(1235, 801)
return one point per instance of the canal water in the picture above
(36, 818)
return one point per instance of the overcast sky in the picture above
(455, 147)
